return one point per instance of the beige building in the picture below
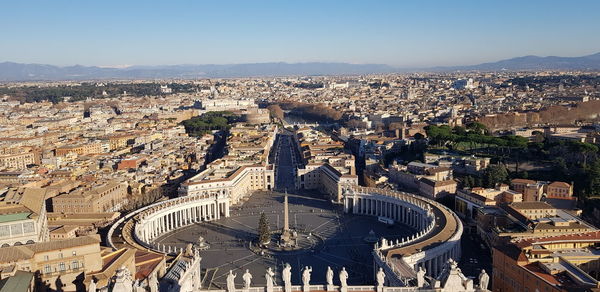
(238, 182)
(23, 217)
(107, 197)
(534, 210)
(81, 149)
(435, 189)
(326, 179)
(17, 161)
(559, 190)
(60, 264)
(535, 190)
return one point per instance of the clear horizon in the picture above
(405, 34)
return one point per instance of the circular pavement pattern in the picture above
(342, 234)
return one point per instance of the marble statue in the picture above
(92, 286)
(189, 250)
(287, 277)
(329, 276)
(421, 277)
(306, 276)
(231, 281)
(247, 277)
(484, 280)
(380, 277)
(270, 281)
(123, 281)
(343, 278)
(306, 279)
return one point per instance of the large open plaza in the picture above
(339, 239)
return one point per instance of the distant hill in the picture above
(10, 71)
(27, 72)
(589, 62)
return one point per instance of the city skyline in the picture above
(404, 35)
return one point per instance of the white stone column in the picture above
(153, 231)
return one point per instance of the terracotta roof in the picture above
(522, 181)
(593, 236)
(531, 205)
(25, 252)
(559, 184)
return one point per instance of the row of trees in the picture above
(204, 124)
(311, 111)
(83, 91)
(474, 133)
(491, 176)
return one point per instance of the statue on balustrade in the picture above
(329, 276)
(421, 277)
(484, 280)
(306, 276)
(231, 281)
(287, 277)
(270, 281)
(343, 278)
(247, 277)
(380, 278)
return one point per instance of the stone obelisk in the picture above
(286, 217)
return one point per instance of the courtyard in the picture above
(341, 240)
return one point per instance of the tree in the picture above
(469, 182)
(592, 179)
(276, 111)
(264, 236)
(419, 136)
(477, 127)
(584, 149)
(494, 174)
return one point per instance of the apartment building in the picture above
(82, 149)
(106, 197)
(17, 160)
(238, 182)
(61, 265)
(536, 190)
(567, 262)
(325, 178)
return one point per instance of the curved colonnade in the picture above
(159, 218)
(437, 239)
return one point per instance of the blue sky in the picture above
(400, 33)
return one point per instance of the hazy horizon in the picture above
(124, 66)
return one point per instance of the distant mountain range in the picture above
(10, 71)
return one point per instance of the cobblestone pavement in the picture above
(343, 235)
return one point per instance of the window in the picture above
(75, 265)
(46, 258)
(47, 269)
(60, 255)
(61, 267)
(74, 253)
